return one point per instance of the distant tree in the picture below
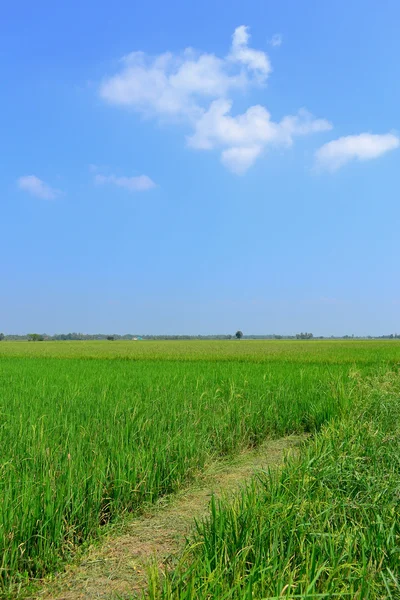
(239, 335)
(35, 337)
(304, 336)
(110, 338)
(1, 337)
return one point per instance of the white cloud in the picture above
(239, 159)
(217, 127)
(303, 123)
(276, 40)
(141, 183)
(179, 85)
(364, 146)
(246, 135)
(196, 88)
(255, 60)
(167, 86)
(36, 187)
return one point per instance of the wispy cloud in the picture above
(276, 40)
(362, 147)
(37, 187)
(196, 88)
(141, 183)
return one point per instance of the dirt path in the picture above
(118, 566)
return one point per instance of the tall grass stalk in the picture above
(326, 526)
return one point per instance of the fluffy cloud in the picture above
(196, 88)
(246, 135)
(179, 85)
(141, 183)
(239, 159)
(167, 86)
(364, 146)
(36, 187)
(255, 60)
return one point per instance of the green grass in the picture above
(326, 526)
(90, 430)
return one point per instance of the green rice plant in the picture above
(326, 526)
(365, 352)
(90, 431)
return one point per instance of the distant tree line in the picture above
(40, 337)
(36, 337)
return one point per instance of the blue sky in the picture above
(200, 167)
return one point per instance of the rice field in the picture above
(326, 526)
(324, 351)
(90, 431)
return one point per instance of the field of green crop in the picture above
(326, 526)
(335, 351)
(91, 430)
